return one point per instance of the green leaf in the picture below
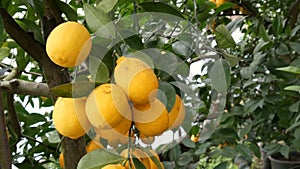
(95, 18)
(294, 88)
(295, 46)
(290, 69)
(76, 89)
(185, 158)
(222, 165)
(232, 59)
(38, 7)
(245, 151)
(224, 38)
(4, 52)
(294, 107)
(224, 6)
(175, 153)
(277, 25)
(166, 94)
(282, 49)
(22, 60)
(263, 33)
(297, 133)
(285, 150)
(98, 70)
(32, 27)
(137, 163)
(186, 90)
(202, 148)
(220, 76)
(162, 8)
(247, 72)
(182, 48)
(188, 143)
(1, 27)
(252, 105)
(132, 39)
(106, 5)
(99, 158)
(70, 13)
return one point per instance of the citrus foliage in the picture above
(245, 93)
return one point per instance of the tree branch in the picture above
(25, 87)
(26, 41)
(13, 118)
(293, 13)
(5, 155)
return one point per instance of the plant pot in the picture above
(279, 162)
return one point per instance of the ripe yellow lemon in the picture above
(220, 2)
(93, 145)
(114, 166)
(68, 44)
(115, 135)
(146, 139)
(61, 160)
(107, 105)
(151, 118)
(69, 117)
(177, 114)
(137, 79)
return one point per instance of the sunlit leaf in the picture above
(99, 158)
(98, 70)
(290, 69)
(106, 5)
(76, 89)
(295, 88)
(95, 18)
(220, 75)
(4, 52)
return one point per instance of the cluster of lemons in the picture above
(116, 110)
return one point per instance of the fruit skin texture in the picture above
(69, 117)
(177, 114)
(93, 145)
(115, 135)
(137, 79)
(61, 160)
(68, 44)
(106, 106)
(152, 118)
(114, 166)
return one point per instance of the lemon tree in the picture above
(148, 84)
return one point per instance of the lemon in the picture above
(68, 44)
(177, 114)
(107, 105)
(137, 79)
(151, 118)
(114, 166)
(93, 145)
(146, 139)
(69, 117)
(61, 160)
